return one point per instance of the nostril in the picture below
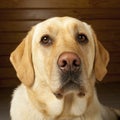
(63, 64)
(76, 63)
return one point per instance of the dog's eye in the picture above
(46, 40)
(81, 38)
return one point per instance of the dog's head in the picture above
(62, 55)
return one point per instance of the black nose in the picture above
(69, 61)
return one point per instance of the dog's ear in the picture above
(101, 59)
(21, 58)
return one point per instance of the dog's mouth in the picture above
(70, 83)
(70, 88)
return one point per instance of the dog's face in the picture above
(61, 55)
(63, 52)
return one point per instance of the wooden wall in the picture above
(17, 17)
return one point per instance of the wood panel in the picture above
(42, 14)
(11, 37)
(59, 4)
(6, 49)
(18, 16)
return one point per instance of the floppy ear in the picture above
(21, 58)
(101, 59)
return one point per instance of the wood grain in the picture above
(59, 4)
(42, 14)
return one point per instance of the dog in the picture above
(58, 63)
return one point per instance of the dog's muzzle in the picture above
(69, 65)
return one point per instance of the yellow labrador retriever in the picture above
(58, 63)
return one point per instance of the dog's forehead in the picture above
(61, 22)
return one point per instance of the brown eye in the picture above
(82, 38)
(46, 40)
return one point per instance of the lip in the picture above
(70, 87)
